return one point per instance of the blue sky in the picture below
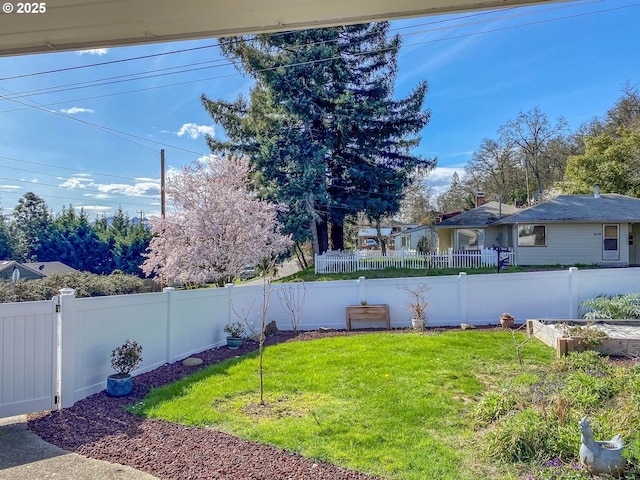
(483, 68)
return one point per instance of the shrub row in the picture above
(85, 284)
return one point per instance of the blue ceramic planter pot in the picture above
(119, 385)
(234, 343)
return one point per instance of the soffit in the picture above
(85, 24)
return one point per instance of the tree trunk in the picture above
(323, 236)
(312, 224)
(381, 241)
(337, 237)
(302, 261)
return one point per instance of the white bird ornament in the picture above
(600, 456)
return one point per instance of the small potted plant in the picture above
(124, 359)
(235, 335)
(507, 320)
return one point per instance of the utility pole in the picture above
(162, 193)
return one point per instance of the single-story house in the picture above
(476, 228)
(26, 273)
(32, 270)
(50, 268)
(573, 229)
(408, 239)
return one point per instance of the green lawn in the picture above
(397, 405)
(309, 275)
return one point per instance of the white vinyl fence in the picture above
(338, 262)
(175, 324)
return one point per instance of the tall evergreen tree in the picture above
(30, 226)
(322, 128)
(7, 250)
(72, 241)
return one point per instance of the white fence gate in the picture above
(28, 357)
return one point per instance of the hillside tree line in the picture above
(32, 233)
(533, 157)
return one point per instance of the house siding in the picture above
(570, 244)
(634, 250)
(414, 238)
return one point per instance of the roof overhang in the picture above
(85, 24)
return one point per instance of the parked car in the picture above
(248, 272)
(371, 243)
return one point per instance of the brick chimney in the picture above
(480, 200)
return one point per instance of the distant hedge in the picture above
(85, 285)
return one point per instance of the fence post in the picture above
(315, 262)
(462, 296)
(450, 257)
(402, 264)
(169, 291)
(573, 292)
(362, 290)
(66, 357)
(229, 287)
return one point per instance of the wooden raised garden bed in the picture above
(368, 313)
(624, 336)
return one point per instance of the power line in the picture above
(154, 197)
(58, 167)
(20, 94)
(144, 75)
(110, 130)
(109, 202)
(119, 133)
(204, 47)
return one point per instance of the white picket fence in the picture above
(338, 262)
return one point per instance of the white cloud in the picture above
(94, 51)
(96, 208)
(74, 110)
(73, 183)
(439, 179)
(97, 196)
(194, 130)
(147, 180)
(136, 190)
(206, 158)
(78, 180)
(8, 188)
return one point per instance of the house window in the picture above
(532, 235)
(405, 241)
(610, 249)
(469, 239)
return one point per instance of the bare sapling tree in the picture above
(292, 297)
(520, 344)
(258, 331)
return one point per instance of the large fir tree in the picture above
(321, 127)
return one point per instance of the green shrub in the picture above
(610, 307)
(587, 361)
(533, 419)
(85, 284)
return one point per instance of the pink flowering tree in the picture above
(217, 227)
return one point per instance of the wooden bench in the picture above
(368, 313)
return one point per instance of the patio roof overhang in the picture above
(59, 25)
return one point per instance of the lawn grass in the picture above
(309, 275)
(395, 405)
